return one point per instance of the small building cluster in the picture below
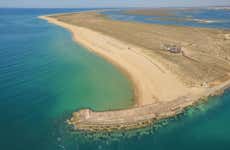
(171, 48)
(204, 84)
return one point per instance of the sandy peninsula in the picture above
(170, 67)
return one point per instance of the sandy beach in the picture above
(151, 80)
(159, 78)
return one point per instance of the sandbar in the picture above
(164, 82)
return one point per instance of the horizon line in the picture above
(111, 7)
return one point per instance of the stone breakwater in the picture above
(137, 117)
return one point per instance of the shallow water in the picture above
(184, 17)
(44, 76)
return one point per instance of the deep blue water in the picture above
(44, 76)
(220, 18)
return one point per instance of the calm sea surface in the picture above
(184, 17)
(44, 76)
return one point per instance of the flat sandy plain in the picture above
(159, 76)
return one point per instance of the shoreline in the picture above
(133, 62)
(91, 49)
(148, 107)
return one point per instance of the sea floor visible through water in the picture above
(45, 76)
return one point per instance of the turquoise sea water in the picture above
(44, 76)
